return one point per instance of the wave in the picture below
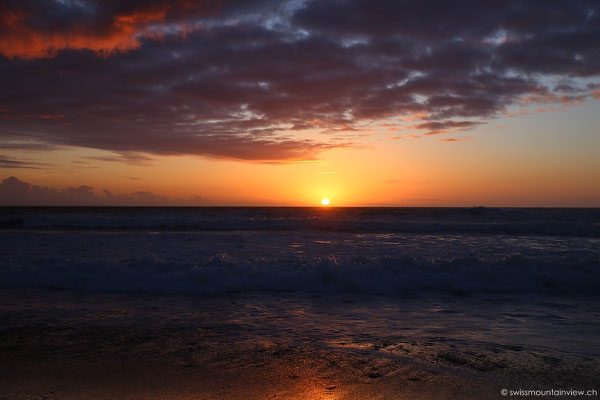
(222, 273)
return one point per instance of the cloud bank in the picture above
(14, 192)
(243, 80)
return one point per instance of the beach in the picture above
(64, 345)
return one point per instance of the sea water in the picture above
(474, 288)
(376, 251)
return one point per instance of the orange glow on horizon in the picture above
(418, 173)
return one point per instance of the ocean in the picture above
(374, 251)
(492, 295)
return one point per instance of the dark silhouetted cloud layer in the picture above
(16, 192)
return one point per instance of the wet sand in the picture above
(61, 345)
(269, 372)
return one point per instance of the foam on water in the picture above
(392, 252)
(222, 273)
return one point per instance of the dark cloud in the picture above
(450, 140)
(126, 157)
(14, 192)
(242, 83)
(438, 127)
(10, 163)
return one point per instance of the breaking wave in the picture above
(222, 273)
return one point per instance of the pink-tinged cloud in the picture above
(512, 114)
(51, 116)
(343, 128)
(407, 137)
(22, 37)
(454, 139)
(550, 109)
(546, 97)
(415, 117)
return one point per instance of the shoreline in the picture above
(65, 345)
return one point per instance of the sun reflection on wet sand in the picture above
(257, 347)
(314, 390)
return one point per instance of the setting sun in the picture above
(325, 202)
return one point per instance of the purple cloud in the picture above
(14, 192)
(244, 82)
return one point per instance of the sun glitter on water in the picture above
(325, 202)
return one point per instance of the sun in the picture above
(325, 202)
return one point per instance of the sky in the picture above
(363, 102)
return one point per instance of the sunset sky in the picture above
(364, 102)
